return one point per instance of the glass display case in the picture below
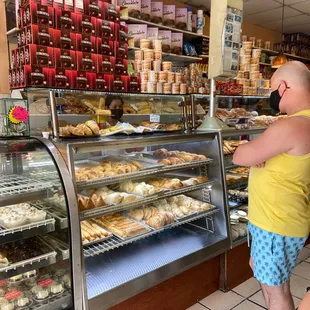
(37, 259)
(148, 213)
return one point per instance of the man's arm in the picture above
(274, 141)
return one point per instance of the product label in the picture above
(154, 118)
(46, 282)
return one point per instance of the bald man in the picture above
(279, 186)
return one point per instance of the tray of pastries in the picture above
(86, 130)
(235, 179)
(122, 226)
(142, 189)
(230, 146)
(162, 127)
(165, 183)
(240, 170)
(93, 233)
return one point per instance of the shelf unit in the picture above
(274, 53)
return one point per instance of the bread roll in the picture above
(147, 213)
(136, 214)
(137, 164)
(75, 131)
(87, 131)
(127, 187)
(93, 126)
(114, 198)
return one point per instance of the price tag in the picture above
(154, 118)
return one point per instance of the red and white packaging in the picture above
(39, 55)
(86, 61)
(46, 2)
(22, 56)
(69, 5)
(105, 47)
(64, 39)
(13, 59)
(20, 18)
(109, 78)
(109, 11)
(17, 78)
(79, 6)
(20, 37)
(85, 24)
(121, 33)
(120, 83)
(40, 35)
(64, 58)
(91, 8)
(35, 75)
(85, 43)
(121, 66)
(10, 79)
(105, 64)
(39, 14)
(58, 4)
(82, 80)
(13, 78)
(105, 29)
(63, 20)
(59, 78)
(100, 83)
(121, 50)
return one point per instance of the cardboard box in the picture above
(105, 64)
(146, 10)
(83, 80)
(157, 12)
(39, 55)
(21, 56)
(63, 20)
(169, 15)
(134, 84)
(105, 47)
(58, 4)
(134, 7)
(20, 18)
(105, 29)
(10, 79)
(39, 35)
(69, 5)
(109, 11)
(19, 36)
(85, 43)
(64, 39)
(165, 37)
(177, 43)
(58, 78)
(121, 32)
(138, 32)
(119, 84)
(79, 6)
(34, 75)
(181, 18)
(109, 78)
(121, 50)
(152, 33)
(84, 24)
(39, 14)
(86, 61)
(64, 58)
(121, 66)
(44, 2)
(13, 59)
(91, 8)
(100, 83)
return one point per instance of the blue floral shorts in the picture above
(274, 256)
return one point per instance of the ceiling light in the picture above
(279, 61)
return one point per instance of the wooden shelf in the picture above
(274, 53)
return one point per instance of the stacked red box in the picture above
(71, 44)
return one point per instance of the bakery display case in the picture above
(148, 213)
(37, 259)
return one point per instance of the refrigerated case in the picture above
(38, 261)
(191, 191)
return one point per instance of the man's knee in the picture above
(251, 263)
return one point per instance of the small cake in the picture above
(14, 221)
(36, 216)
(56, 288)
(3, 300)
(23, 302)
(36, 289)
(41, 295)
(7, 306)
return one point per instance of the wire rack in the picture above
(96, 212)
(115, 242)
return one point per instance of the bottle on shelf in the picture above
(189, 19)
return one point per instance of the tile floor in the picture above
(248, 295)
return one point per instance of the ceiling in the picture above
(268, 13)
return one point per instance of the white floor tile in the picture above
(247, 288)
(302, 270)
(222, 301)
(197, 307)
(247, 305)
(304, 254)
(298, 286)
(258, 298)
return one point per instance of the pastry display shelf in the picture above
(140, 174)
(26, 231)
(17, 189)
(115, 242)
(188, 35)
(96, 212)
(59, 246)
(62, 301)
(238, 185)
(243, 132)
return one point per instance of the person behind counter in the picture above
(115, 105)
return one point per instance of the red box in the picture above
(105, 64)
(134, 84)
(120, 83)
(100, 82)
(84, 24)
(39, 55)
(58, 4)
(121, 66)
(105, 29)
(91, 8)
(13, 59)
(121, 33)
(10, 79)
(40, 35)
(85, 43)
(39, 14)
(35, 75)
(64, 20)
(86, 61)
(105, 46)
(46, 2)
(17, 78)
(22, 56)
(20, 18)
(82, 80)
(13, 78)
(19, 35)
(79, 6)
(64, 39)
(121, 50)
(109, 11)
(64, 58)
(59, 78)
(69, 5)
(109, 78)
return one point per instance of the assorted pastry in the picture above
(121, 225)
(162, 126)
(230, 146)
(20, 214)
(234, 179)
(138, 188)
(174, 183)
(92, 232)
(89, 128)
(106, 169)
(265, 120)
(241, 170)
(86, 203)
(177, 157)
(234, 113)
(110, 130)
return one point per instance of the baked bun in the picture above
(93, 126)
(87, 131)
(137, 214)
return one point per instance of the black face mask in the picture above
(275, 99)
(117, 113)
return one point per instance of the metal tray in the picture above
(98, 240)
(60, 247)
(85, 164)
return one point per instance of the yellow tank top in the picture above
(278, 194)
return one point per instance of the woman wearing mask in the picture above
(115, 105)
